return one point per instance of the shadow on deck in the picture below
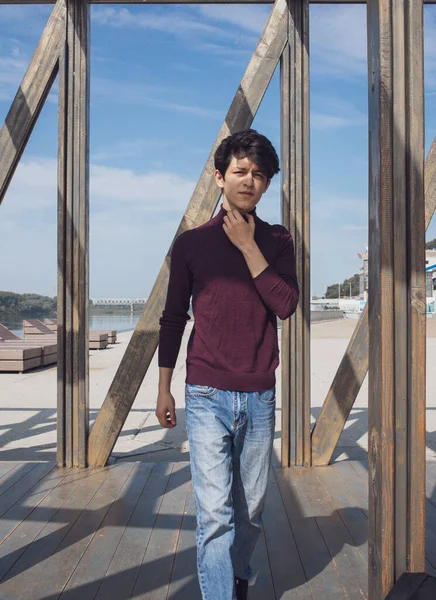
(128, 531)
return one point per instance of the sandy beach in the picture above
(28, 403)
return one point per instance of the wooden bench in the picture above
(111, 333)
(33, 329)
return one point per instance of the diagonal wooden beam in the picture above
(200, 209)
(31, 96)
(354, 365)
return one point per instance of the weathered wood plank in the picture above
(31, 95)
(414, 454)
(184, 580)
(25, 571)
(354, 365)
(73, 246)
(59, 568)
(354, 518)
(192, 1)
(14, 475)
(285, 563)
(261, 565)
(287, 358)
(321, 574)
(351, 568)
(143, 343)
(15, 492)
(157, 564)
(396, 304)
(296, 218)
(126, 562)
(95, 561)
(25, 533)
(21, 510)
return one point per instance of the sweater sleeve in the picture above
(175, 314)
(278, 286)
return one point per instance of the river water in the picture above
(118, 322)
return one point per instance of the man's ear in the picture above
(219, 179)
(268, 181)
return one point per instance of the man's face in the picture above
(242, 186)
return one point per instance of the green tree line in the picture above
(430, 245)
(332, 290)
(26, 305)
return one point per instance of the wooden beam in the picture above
(296, 217)
(354, 365)
(31, 96)
(192, 2)
(396, 303)
(73, 227)
(200, 209)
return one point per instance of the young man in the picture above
(240, 272)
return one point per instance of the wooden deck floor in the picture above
(128, 531)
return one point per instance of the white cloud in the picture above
(354, 227)
(326, 121)
(133, 219)
(171, 21)
(251, 18)
(338, 39)
(34, 188)
(127, 93)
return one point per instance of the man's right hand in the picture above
(166, 410)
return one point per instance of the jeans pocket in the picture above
(267, 396)
(204, 391)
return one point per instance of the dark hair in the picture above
(247, 144)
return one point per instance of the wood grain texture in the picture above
(31, 96)
(296, 218)
(73, 244)
(396, 304)
(191, 2)
(354, 365)
(200, 209)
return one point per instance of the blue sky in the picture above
(162, 79)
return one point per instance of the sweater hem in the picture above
(225, 380)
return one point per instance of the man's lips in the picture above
(245, 194)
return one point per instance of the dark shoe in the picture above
(241, 586)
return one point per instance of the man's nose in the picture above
(249, 179)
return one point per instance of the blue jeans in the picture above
(230, 437)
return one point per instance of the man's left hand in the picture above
(239, 232)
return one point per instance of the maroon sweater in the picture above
(233, 344)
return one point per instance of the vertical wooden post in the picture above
(296, 217)
(73, 212)
(396, 293)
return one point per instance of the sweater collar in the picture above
(222, 213)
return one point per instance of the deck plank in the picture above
(128, 531)
(154, 574)
(28, 567)
(13, 476)
(351, 568)
(20, 488)
(22, 509)
(59, 568)
(184, 582)
(354, 483)
(124, 568)
(287, 570)
(322, 577)
(96, 559)
(354, 518)
(27, 531)
(262, 587)
(7, 467)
